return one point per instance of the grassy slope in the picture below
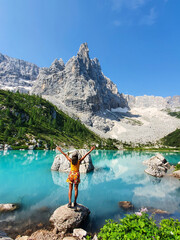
(174, 114)
(24, 117)
(172, 139)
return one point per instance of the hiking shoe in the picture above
(69, 205)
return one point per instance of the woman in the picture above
(74, 175)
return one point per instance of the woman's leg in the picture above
(76, 192)
(70, 192)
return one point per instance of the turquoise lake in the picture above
(26, 178)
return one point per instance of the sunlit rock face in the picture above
(152, 101)
(17, 74)
(79, 84)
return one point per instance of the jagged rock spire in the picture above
(83, 55)
(83, 51)
(58, 64)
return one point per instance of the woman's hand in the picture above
(92, 148)
(58, 148)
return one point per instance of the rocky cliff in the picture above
(17, 74)
(80, 88)
(152, 101)
(79, 84)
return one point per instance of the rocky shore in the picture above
(64, 224)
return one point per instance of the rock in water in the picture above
(126, 205)
(8, 207)
(63, 165)
(157, 165)
(176, 174)
(79, 232)
(3, 236)
(66, 219)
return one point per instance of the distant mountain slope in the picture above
(153, 102)
(30, 120)
(17, 74)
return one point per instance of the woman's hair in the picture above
(74, 158)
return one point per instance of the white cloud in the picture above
(150, 18)
(117, 23)
(129, 4)
(135, 12)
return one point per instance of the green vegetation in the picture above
(29, 119)
(133, 121)
(172, 139)
(140, 227)
(174, 114)
(177, 167)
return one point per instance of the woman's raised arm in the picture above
(68, 158)
(92, 148)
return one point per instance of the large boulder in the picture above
(157, 165)
(63, 165)
(66, 219)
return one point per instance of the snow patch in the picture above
(119, 109)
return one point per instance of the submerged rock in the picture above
(157, 165)
(3, 236)
(176, 174)
(7, 147)
(1, 147)
(66, 219)
(8, 207)
(157, 211)
(63, 165)
(126, 205)
(22, 238)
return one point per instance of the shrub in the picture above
(140, 226)
(177, 167)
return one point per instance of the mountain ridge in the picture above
(80, 88)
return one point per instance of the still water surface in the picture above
(26, 178)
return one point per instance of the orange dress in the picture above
(74, 175)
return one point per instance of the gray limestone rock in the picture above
(79, 84)
(66, 219)
(44, 235)
(79, 232)
(63, 165)
(157, 165)
(17, 74)
(152, 101)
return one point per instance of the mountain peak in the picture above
(57, 64)
(83, 51)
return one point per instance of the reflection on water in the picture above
(25, 177)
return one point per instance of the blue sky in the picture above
(136, 41)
